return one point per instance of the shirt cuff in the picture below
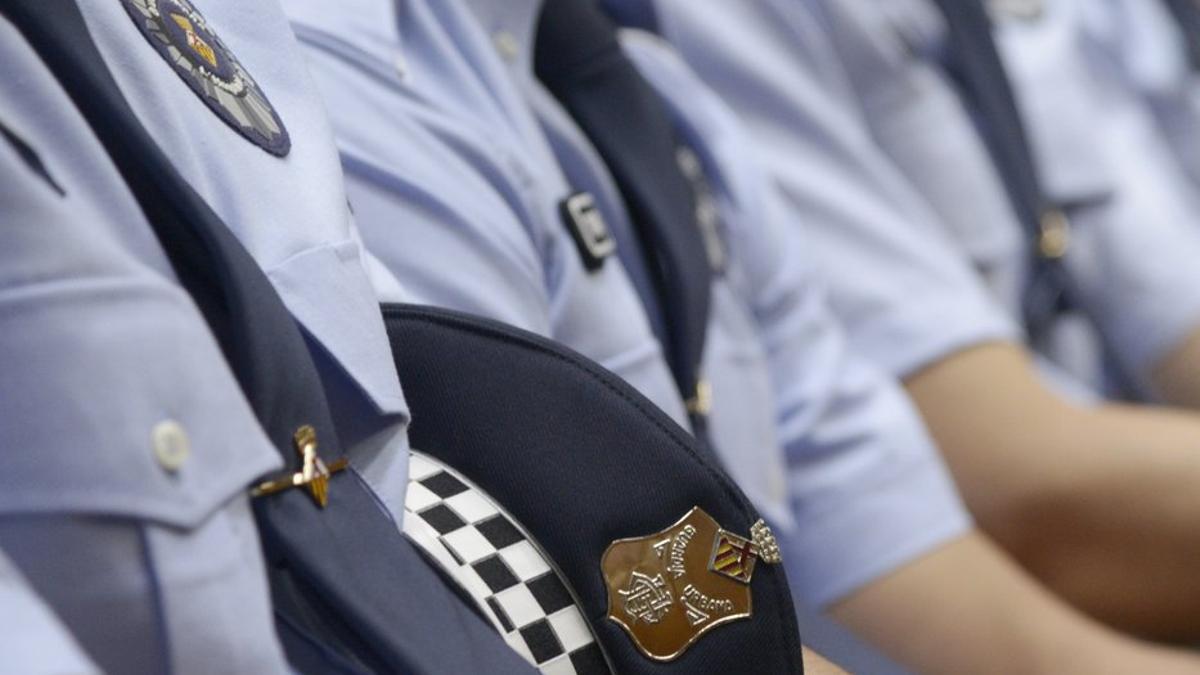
(904, 340)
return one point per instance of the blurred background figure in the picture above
(1155, 46)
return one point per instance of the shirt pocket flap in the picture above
(117, 401)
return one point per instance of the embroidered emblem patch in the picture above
(669, 588)
(181, 35)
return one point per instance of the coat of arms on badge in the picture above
(180, 34)
(733, 557)
(669, 588)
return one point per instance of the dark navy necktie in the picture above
(579, 60)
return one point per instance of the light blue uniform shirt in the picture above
(456, 188)
(1097, 152)
(896, 279)
(890, 57)
(33, 639)
(127, 439)
(1096, 137)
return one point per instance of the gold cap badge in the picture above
(669, 588)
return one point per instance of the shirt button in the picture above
(507, 45)
(171, 445)
(401, 65)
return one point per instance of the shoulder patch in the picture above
(179, 33)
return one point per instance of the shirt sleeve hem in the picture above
(888, 526)
(906, 342)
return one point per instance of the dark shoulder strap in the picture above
(579, 60)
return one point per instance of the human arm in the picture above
(879, 529)
(928, 616)
(1099, 503)
(1176, 378)
(906, 298)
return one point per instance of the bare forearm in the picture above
(966, 609)
(1176, 379)
(1123, 540)
(1101, 504)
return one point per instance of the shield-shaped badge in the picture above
(669, 588)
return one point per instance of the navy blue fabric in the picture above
(641, 15)
(974, 63)
(343, 576)
(581, 459)
(1187, 15)
(579, 60)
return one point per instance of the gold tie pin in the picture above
(313, 475)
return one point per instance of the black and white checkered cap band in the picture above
(497, 562)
